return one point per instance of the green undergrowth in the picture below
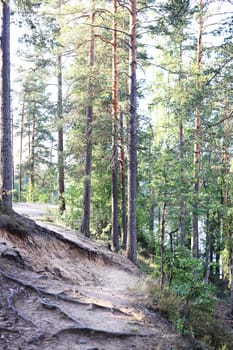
(189, 304)
(193, 315)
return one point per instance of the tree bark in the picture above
(6, 173)
(85, 225)
(115, 113)
(132, 169)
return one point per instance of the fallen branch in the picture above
(10, 300)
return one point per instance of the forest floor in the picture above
(61, 291)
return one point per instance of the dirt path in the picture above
(62, 291)
(36, 211)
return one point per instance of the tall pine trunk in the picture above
(6, 172)
(182, 199)
(85, 225)
(225, 155)
(197, 142)
(60, 146)
(123, 185)
(115, 113)
(132, 169)
(32, 160)
(60, 155)
(181, 154)
(208, 249)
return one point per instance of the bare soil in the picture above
(61, 291)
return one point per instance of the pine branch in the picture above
(229, 116)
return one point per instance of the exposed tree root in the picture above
(37, 338)
(12, 254)
(21, 282)
(79, 327)
(10, 330)
(50, 306)
(113, 310)
(93, 331)
(11, 299)
(60, 296)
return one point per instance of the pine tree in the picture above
(115, 123)
(60, 136)
(132, 168)
(85, 225)
(6, 169)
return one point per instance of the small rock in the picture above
(82, 341)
